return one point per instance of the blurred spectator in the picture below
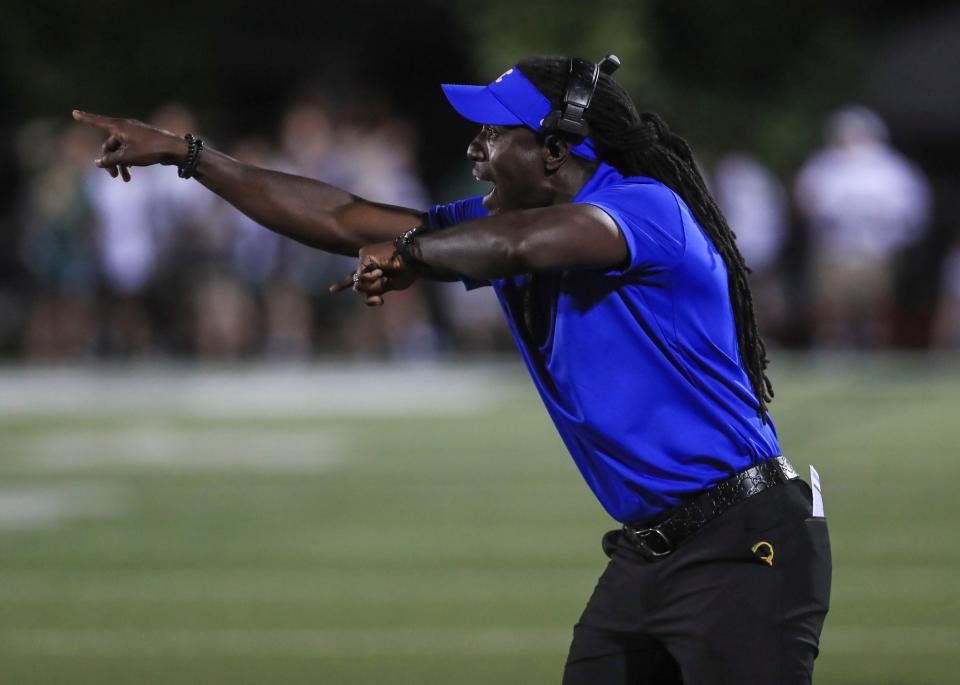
(383, 162)
(377, 161)
(384, 167)
(224, 319)
(863, 203)
(289, 323)
(57, 246)
(181, 211)
(946, 325)
(756, 206)
(255, 252)
(126, 244)
(475, 319)
(311, 146)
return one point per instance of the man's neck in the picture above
(570, 179)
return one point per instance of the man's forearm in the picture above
(306, 210)
(551, 238)
(481, 249)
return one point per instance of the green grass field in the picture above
(413, 526)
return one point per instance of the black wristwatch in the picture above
(405, 246)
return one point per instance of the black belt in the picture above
(683, 520)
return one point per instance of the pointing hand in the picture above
(133, 143)
(379, 270)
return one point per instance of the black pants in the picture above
(719, 609)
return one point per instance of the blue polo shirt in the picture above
(640, 368)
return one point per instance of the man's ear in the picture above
(556, 150)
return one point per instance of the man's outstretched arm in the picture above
(308, 211)
(557, 238)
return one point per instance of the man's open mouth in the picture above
(482, 177)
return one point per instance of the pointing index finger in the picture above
(348, 281)
(95, 120)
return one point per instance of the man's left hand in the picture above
(379, 271)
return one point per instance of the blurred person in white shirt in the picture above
(863, 203)
(144, 236)
(181, 214)
(757, 207)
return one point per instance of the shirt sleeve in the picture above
(651, 218)
(444, 216)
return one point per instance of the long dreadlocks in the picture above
(642, 145)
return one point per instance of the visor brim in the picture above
(478, 104)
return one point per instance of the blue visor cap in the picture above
(510, 100)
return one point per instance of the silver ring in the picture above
(356, 278)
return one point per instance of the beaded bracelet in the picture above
(194, 148)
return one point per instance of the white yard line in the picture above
(35, 506)
(233, 642)
(916, 640)
(363, 587)
(165, 446)
(256, 391)
(358, 595)
(357, 585)
(906, 640)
